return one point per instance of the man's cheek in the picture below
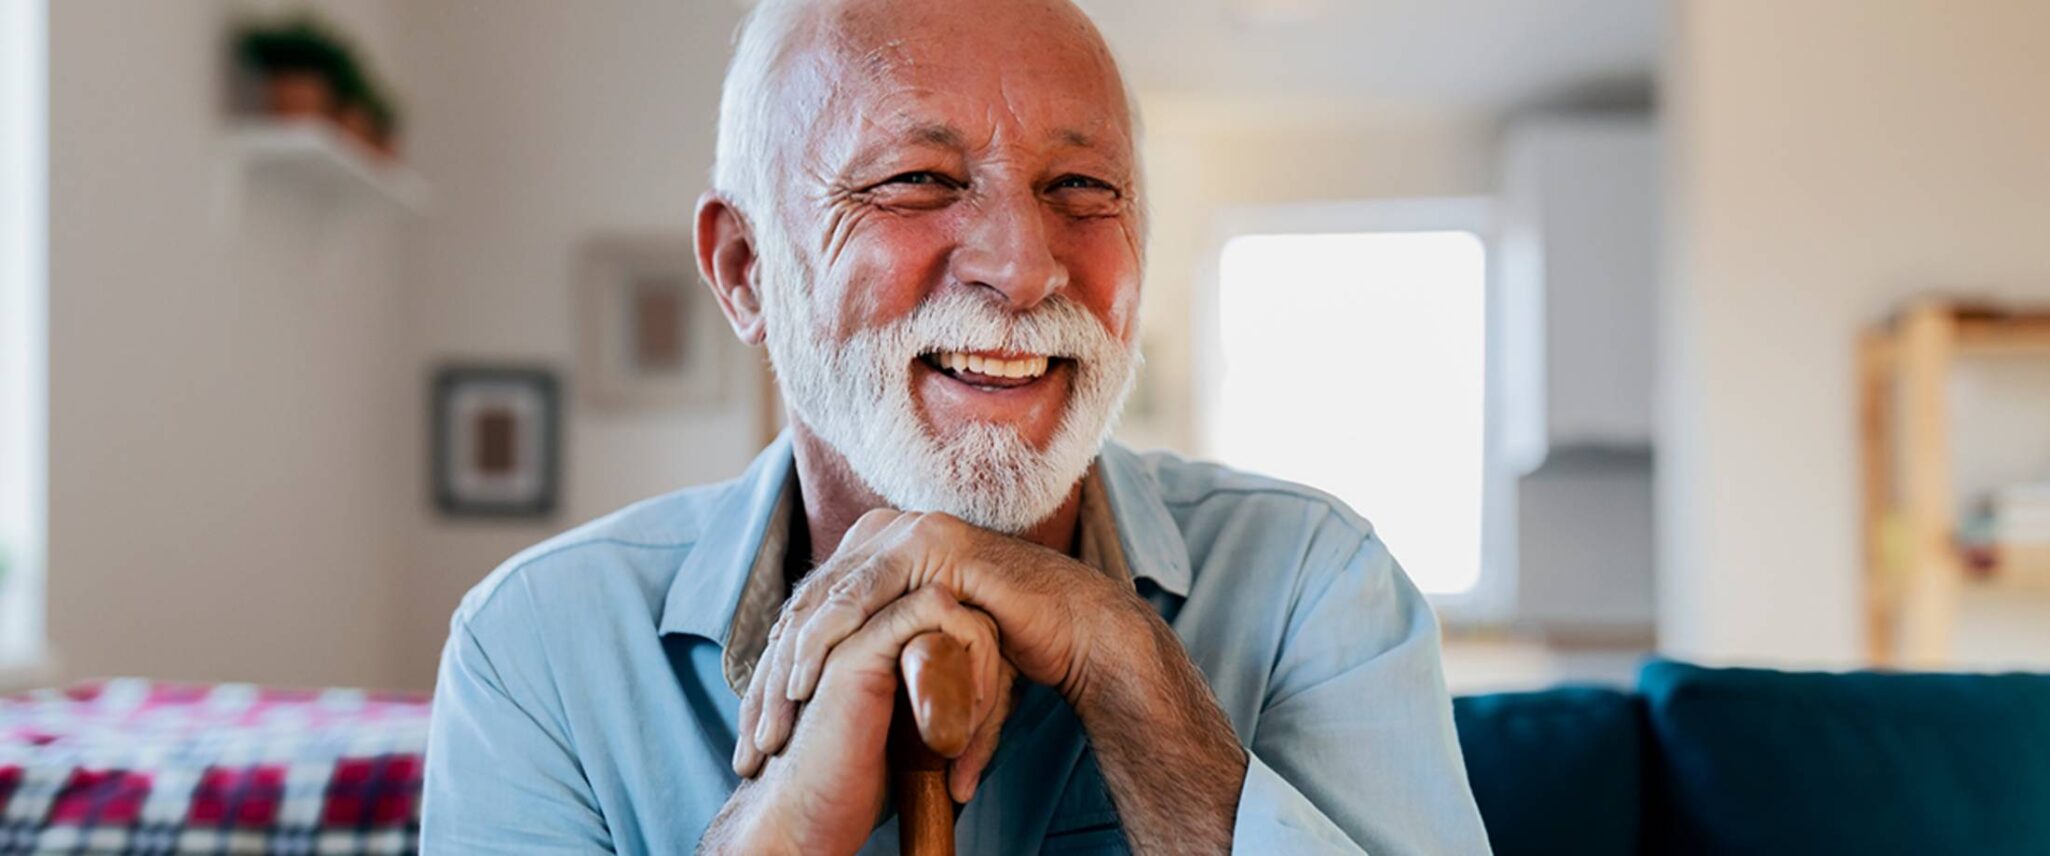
(890, 268)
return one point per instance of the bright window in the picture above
(23, 394)
(1354, 362)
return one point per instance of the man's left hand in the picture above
(1169, 756)
(1055, 616)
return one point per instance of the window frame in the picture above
(1492, 599)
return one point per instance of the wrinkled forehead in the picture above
(968, 75)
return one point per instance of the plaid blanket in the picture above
(132, 766)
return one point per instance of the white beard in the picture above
(857, 397)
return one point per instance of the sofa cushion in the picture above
(1555, 771)
(1763, 762)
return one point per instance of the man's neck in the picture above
(833, 498)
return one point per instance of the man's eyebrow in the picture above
(943, 136)
(949, 137)
(1076, 139)
(926, 135)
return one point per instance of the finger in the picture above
(993, 683)
(818, 583)
(876, 646)
(856, 591)
(778, 713)
(869, 526)
(746, 759)
(991, 672)
(964, 775)
(844, 610)
(854, 549)
(754, 704)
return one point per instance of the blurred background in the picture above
(1702, 327)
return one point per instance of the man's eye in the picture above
(921, 178)
(1081, 182)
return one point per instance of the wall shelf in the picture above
(315, 152)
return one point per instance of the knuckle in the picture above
(791, 617)
(808, 591)
(875, 519)
(937, 525)
(841, 600)
(935, 597)
(849, 585)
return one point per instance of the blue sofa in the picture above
(1759, 762)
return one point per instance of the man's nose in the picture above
(1005, 249)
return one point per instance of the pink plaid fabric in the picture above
(132, 766)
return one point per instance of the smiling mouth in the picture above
(990, 371)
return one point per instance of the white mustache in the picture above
(1058, 326)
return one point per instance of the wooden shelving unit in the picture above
(1914, 570)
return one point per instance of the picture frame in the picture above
(652, 336)
(497, 440)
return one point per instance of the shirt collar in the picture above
(708, 583)
(706, 593)
(1152, 539)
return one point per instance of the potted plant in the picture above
(299, 60)
(384, 122)
(354, 95)
(366, 111)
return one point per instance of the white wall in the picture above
(1832, 158)
(224, 443)
(543, 124)
(239, 422)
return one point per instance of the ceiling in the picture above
(1484, 56)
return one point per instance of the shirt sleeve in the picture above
(1354, 750)
(501, 777)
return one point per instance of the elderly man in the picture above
(930, 211)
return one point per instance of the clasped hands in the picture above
(816, 713)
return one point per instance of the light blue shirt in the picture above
(582, 706)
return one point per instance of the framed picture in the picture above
(652, 335)
(497, 441)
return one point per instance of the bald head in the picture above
(794, 60)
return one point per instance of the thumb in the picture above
(964, 774)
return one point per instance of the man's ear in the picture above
(726, 259)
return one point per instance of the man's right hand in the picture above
(824, 792)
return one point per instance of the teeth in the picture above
(993, 367)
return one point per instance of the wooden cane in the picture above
(930, 726)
